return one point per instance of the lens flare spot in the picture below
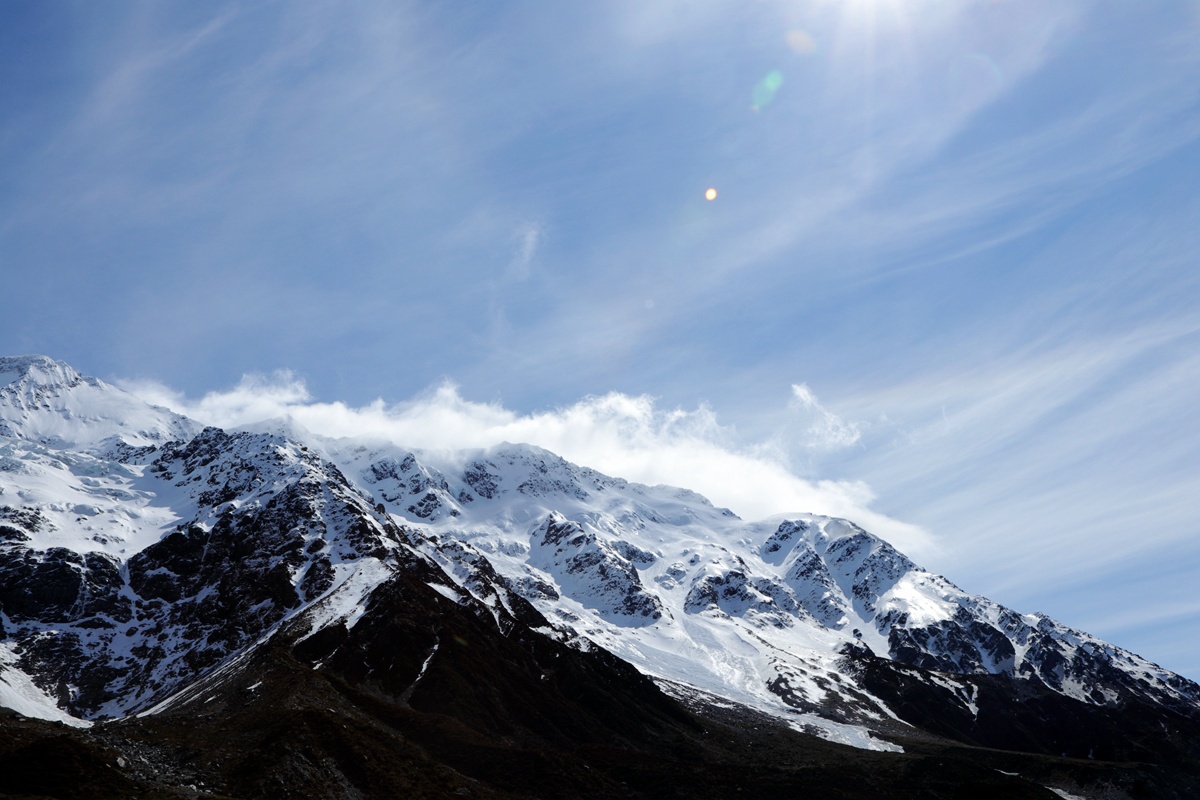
(764, 92)
(710, 194)
(801, 42)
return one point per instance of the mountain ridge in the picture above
(136, 567)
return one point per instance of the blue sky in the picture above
(949, 280)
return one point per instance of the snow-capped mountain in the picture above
(765, 613)
(145, 560)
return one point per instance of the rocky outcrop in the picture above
(272, 524)
(415, 490)
(594, 571)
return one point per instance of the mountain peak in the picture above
(37, 370)
(48, 401)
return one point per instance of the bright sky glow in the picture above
(950, 281)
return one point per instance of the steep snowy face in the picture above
(49, 403)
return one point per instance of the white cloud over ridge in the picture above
(621, 435)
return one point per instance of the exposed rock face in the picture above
(483, 478)
(816, 590)
(421, 491)
(598, 572)
(734, 593)
(59, 585)
(962, 644)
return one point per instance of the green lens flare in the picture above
(764, 92)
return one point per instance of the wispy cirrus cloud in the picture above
(824, 429)
(1050, 475)
(528, 237)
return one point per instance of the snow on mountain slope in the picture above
(139, 552)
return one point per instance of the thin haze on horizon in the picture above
(946, 281)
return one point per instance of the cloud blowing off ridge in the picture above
(621, 435)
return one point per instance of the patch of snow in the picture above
(1065, 795)
(447, 592)
(851, 735)
(406, 695)
(21, 694)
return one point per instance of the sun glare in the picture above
(879, 11)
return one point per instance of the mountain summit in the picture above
(422, 621)
(47, 401)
